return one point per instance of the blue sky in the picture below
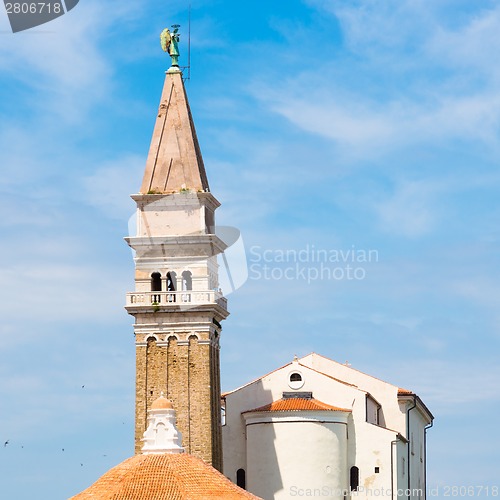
(332, 124)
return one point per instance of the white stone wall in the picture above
(385, 393)
(417, 458)
(288, 454)
(172, 214)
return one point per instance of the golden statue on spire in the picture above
(169, 43)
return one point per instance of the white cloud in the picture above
(60, 292)
(483, 289)
(367, 127)
(344, 118)
(444, 385)
(412, 78)
(411, 211)
(110, 186)
(64, 61)
(106, 380)
(473, 45)
(383, 28)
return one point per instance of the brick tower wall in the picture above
(187, 372)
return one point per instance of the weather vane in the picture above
(170, 43)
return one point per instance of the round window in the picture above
(295, 380)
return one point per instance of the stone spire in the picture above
(177, 303)
(174, 161)
(162, 435)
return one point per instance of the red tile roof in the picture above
(163, 477)
(404, 392)
(297, 404)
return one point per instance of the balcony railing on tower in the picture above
(175, 298)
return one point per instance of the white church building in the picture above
(317, 428)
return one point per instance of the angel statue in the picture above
(169, 43)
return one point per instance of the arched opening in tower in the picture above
(156, 282)
(171, 285)
(187, 285)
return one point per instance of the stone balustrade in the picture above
(176, 298)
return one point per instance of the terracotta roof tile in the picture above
(163, 477)
(297, 404)
(404, 392)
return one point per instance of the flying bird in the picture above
(6, 443)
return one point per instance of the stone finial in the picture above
(162, 435)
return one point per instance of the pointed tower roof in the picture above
(174, 161)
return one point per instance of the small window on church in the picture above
(156, 282)
(354, 478)
(295, 380)
(241, 479)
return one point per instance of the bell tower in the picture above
(177, 303)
